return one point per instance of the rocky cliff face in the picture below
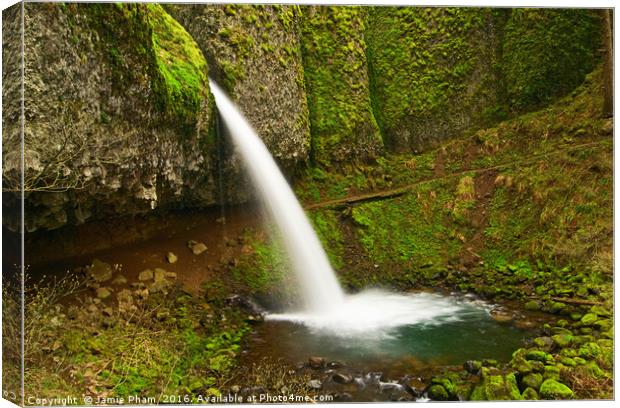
(119, 118)
(343, 125)
(433, 72)
(253, 51)
(118, 114)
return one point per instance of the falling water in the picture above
(371, 313)
(320, 288)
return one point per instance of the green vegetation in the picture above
(163, 345)
(422, 61)
(342, 123)
(547, 53)
(180, 63)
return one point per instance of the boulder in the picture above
(552, 389)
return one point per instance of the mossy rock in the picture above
(533, 380)
(554, 390)
(496, 387)
(562, 340)
(551, 372)
(529, 394)
(590, 350)
(537, 355)
(437, 392)
(600, 311)
(589, 319)
(567, 361)
(532, 305)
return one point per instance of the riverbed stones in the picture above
(552, 389)
(197, 248)
(171, 257)
(103, 293)
(100, 271)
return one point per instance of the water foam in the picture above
(375, 313)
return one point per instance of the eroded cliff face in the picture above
(253, 52)
(433, 72)
(117, 115)
(343, 125)
(119, 119)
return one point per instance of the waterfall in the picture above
(320, 288)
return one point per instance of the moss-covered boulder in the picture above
(432, 71)
(253, 51)
(533, 380)
(495, 387)
(343, 125)
(552, 389)
(546, 53)
(118, 113)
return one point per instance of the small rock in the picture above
(159, 275)
(103, 293)
(108, 311)
(235, 389)
(171, 257)
(119, 280)
(100, 271)
(92, 308)
(316, 362)
(501, 316)
(171, 275)
(197, 247)
(145, 275)
(529, 394)
(315, 384)
(342, 378)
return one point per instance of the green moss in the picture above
(410, 229)
(327, 227)
(342, 123)
(422, 60)
(547, 53)
(180, 63)
(552, 389)
(496, 387)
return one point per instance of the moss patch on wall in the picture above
(334, 56)
(432, 71)
(547, 53)
(180, 63)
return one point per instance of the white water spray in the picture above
(369, 313)
(320, 288)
